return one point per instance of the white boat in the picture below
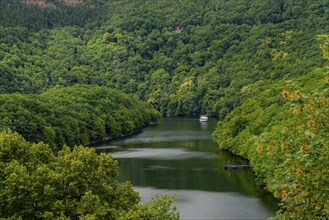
(203, 118)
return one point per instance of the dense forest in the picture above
(256, 65)
(285, 137)
(74, 115)
(78, 184)
(183, 57)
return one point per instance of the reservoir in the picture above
(178, 156)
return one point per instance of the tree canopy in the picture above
(75, 115)
(254, 64)
(184, 57)
(284, 134)
(78, 184)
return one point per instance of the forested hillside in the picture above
(285, 137)
(254, 64)
(184, 57)
(76, 115)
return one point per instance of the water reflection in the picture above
(199, 205)
(179, 156)
(161, 154)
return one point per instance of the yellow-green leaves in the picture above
(75, 184)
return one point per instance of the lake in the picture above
(178, 156)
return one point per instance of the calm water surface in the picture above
(178, 156)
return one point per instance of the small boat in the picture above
(235, 166)
(203, 118)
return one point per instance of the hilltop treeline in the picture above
(44, 14)
(76, 115)
(183, 57)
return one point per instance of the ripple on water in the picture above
(162, 154)
(166, 136)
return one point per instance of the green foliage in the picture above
(288, 149)
(74, 115)
(78, 184)
(301, 179)
(160, 208)
(153, 48)
(228, 58)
